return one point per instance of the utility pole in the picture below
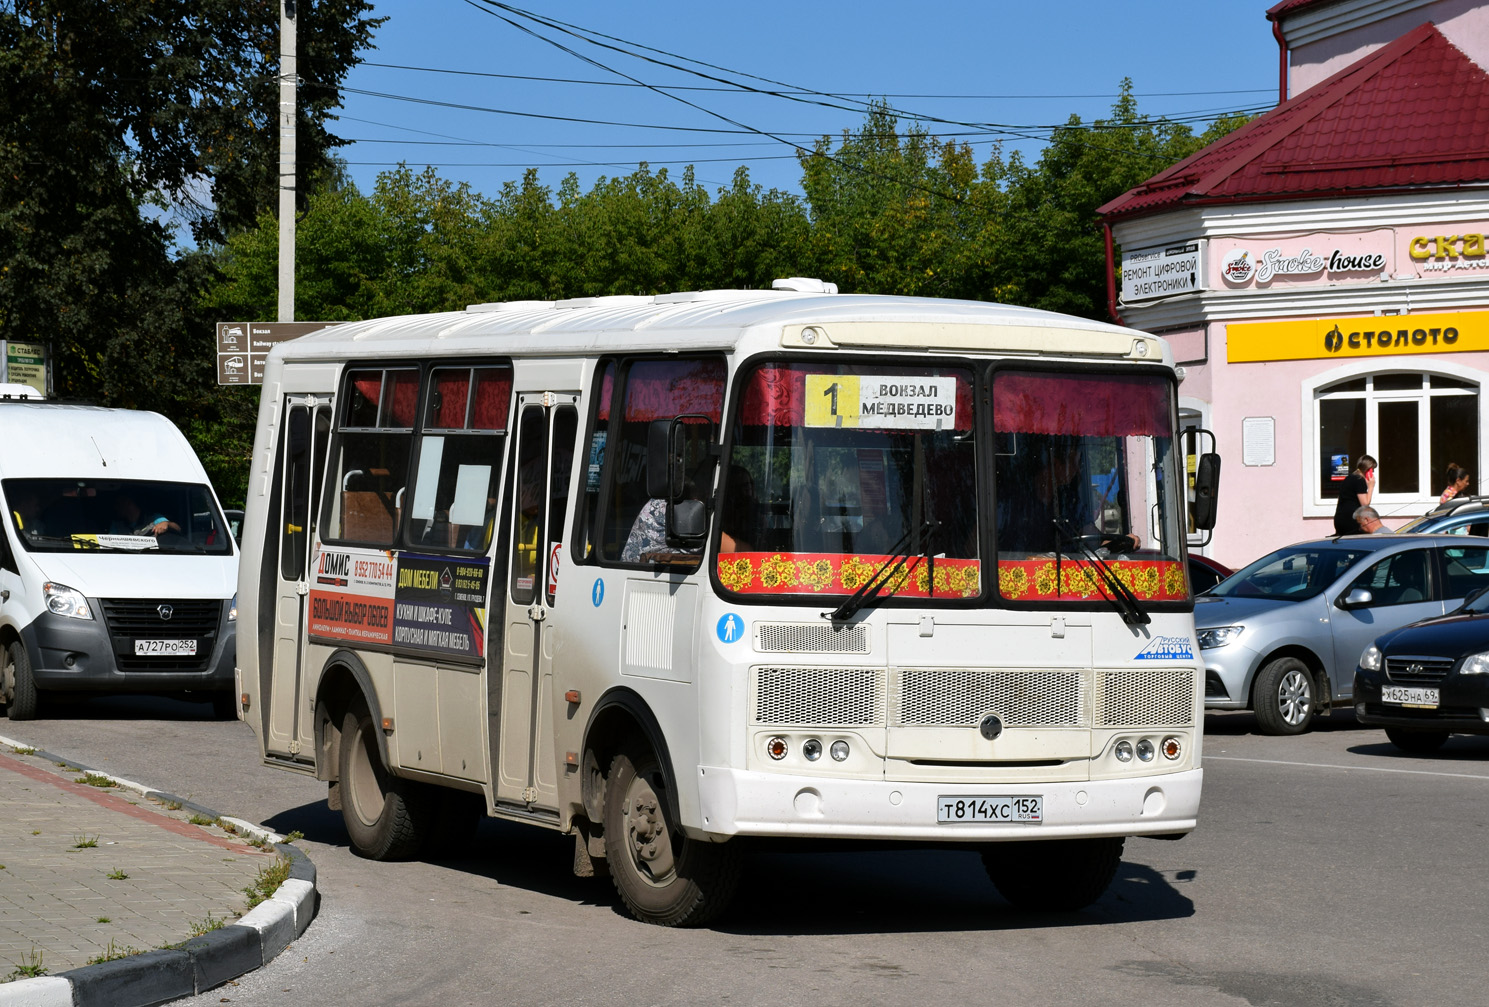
(288, 80)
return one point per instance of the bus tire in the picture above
(1285, 697)
(661, 875)
(1053, 875)
(1416, 742)
(386, 817)
(17, 684)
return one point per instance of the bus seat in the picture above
(366, 516)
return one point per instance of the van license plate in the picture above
(990, 809)
(165, 648)
(1424, 699)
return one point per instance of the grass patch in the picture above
(36, 832)
(96, 780)
(112, 954)
(259, 841)
(203, 820)
(172, 805)
(22, 750)
(117, 874)
(206, 926)
(84, 842)
(67, 766)
(268, 881)
(30, 967)
(294, 836)
(104, 919)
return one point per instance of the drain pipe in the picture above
(1111, 277)
(1281, 61)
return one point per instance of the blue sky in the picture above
(1011, 64)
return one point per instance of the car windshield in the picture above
(1291, 574)
(119, 515)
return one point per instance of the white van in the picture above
(117, 570)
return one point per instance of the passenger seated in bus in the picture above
(739, 512)
(648, 537)
(1032, 511)
(130, 520)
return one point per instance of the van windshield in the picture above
(119, 515)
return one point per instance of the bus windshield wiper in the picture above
(873, 588)
(1123, 600)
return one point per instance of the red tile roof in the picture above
(1279, 11)
(1412, 114)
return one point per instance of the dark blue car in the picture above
(1428, 680)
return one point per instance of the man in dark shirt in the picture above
(1358, 488)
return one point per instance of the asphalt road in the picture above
(1327, 869)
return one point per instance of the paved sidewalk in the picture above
(60, 907)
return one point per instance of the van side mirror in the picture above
(1206, 486)
(1357, 598)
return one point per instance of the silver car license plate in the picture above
(990, 809)
(165, 648)
(1402, 695)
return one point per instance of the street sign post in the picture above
(242, 347)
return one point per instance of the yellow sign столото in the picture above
(1352, 338)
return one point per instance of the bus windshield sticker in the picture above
(351, 595)
(890, 402)
(440, 605)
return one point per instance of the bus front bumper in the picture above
(739, 803)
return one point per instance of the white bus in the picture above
(667, 572)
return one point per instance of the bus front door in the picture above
(302, 462)
(527, 767)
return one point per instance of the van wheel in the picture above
(1053, 875)
(386, 817)
(1283, 697)
(662, 876)
(1416, 742)
(17, 684)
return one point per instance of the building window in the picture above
(1414, 424)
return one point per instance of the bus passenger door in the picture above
(547, 425)
(302, 462)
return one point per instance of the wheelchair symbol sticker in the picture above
(730, 628)
(598, 594)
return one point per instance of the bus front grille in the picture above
(961, 697)
(810, 638)
(1157, 698)
(845, 697)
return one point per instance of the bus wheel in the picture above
(662, 876)
(17, 686)
(1055, 875)
(386, 817)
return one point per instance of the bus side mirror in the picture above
(1206, 485)
(663, 480)
(689, 527)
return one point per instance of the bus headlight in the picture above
(66, 601)
(1145, 750)
(1123, 751)
(1172, 748)
(811, 749)
(777, 748)
(839, 751)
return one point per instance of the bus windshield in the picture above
(1087, 486)
(835, 468)
(119, 515)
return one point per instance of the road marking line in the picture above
(1329, 765)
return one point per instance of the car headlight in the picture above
(1370, 659)
(63, 600)
(232, 612)
(1475, 664)
(1219, 636)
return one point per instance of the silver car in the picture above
(1282, 635)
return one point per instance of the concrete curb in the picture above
(197, 965)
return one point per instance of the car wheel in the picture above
(662, 875)
(1416, 742)
(1058, 875)
(387, 818)
(1283, 697)
(18, 684)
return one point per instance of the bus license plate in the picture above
(1425, 699)
(990, 809)
(165, 648)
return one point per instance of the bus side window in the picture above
(587, 531)
(651, 390)
(453, 502)
(371, 468)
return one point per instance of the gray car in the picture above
(1282, 635)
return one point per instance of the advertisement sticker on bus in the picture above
(440, 605)
(351, 595)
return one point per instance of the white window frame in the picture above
(1394, 504)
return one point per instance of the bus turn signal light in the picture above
(572, 696)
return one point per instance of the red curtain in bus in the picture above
(662, 389)
(1087, 405)
(405, 394)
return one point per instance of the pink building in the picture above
(1323, 273)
